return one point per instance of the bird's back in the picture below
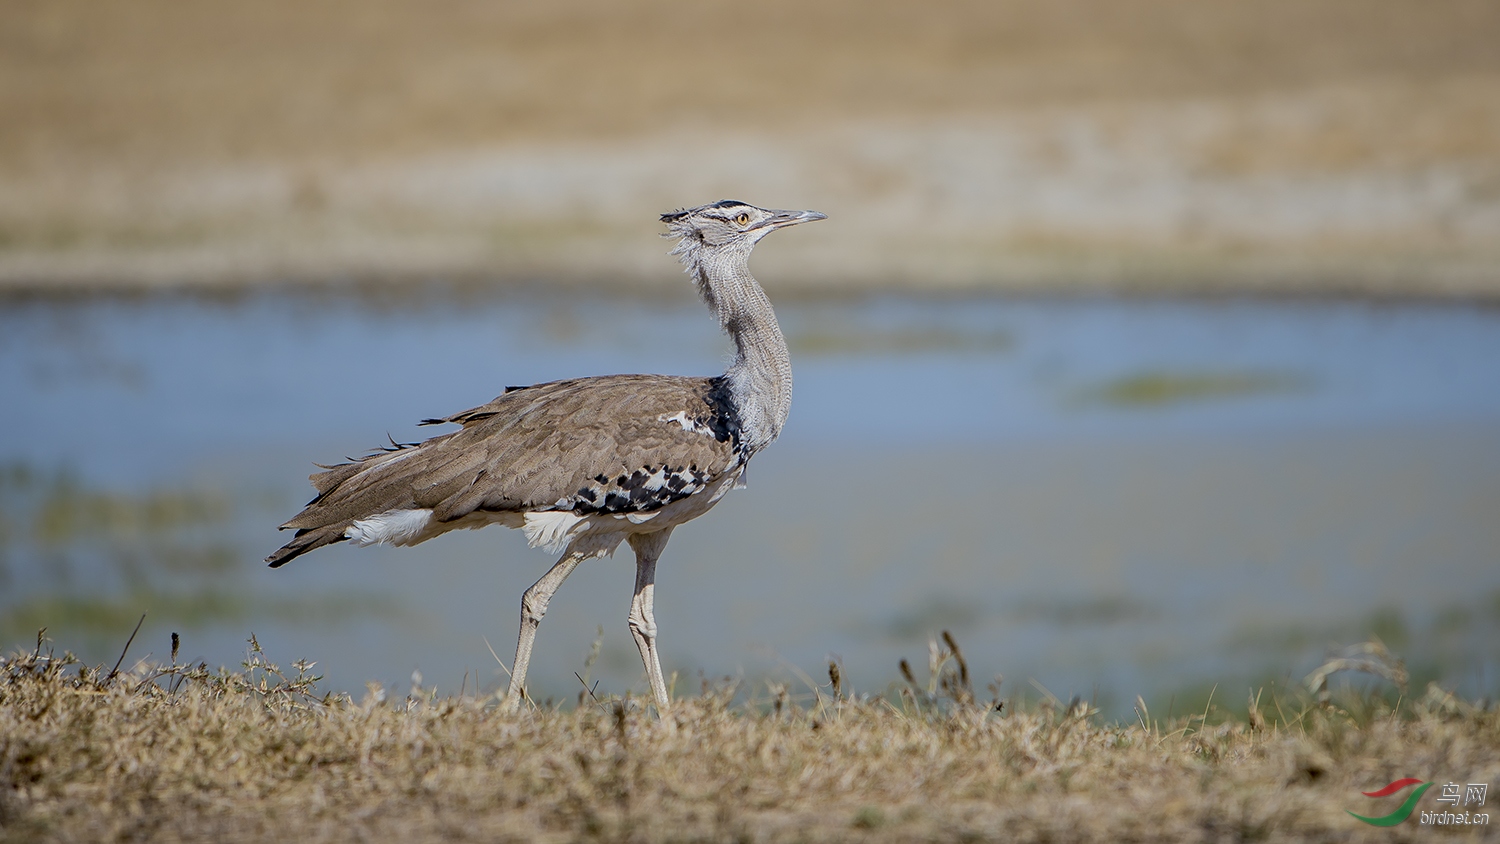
(614, 444)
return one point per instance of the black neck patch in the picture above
(726, 416)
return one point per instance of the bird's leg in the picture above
(533, 607)
(648, 548)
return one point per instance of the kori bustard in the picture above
(584, 464)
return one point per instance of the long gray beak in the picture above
(782, 219)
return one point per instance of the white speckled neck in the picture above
(760, 378)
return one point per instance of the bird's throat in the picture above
(760, 378)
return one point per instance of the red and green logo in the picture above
(1407, 807)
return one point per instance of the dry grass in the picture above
(181, 753)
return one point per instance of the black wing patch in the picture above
(641, 491)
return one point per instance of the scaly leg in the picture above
(648, 548)
(533, 607)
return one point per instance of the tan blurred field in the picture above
(1284, 145)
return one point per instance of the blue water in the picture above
(1110, 497)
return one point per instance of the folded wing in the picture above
(614, 444)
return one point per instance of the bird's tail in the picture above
(306, 540)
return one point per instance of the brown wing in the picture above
(619, 443)
(478, 414)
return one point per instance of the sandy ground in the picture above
(1330, 146)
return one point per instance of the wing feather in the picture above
(615, 443)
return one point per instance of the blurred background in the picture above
(1149, 344)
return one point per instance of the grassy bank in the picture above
(185, 753)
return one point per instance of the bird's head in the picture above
(728, 225)
(714, 247)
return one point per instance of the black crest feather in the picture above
(676, 216)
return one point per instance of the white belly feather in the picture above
(549, 529)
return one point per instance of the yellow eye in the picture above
(742, 219)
